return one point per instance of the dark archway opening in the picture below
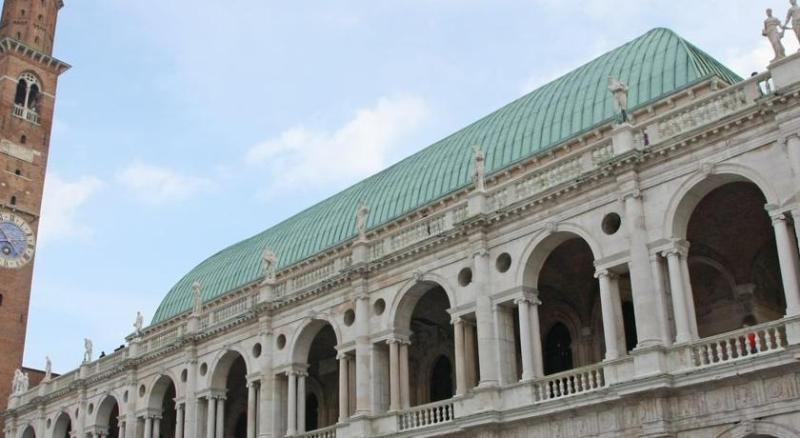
(168, 413)
(312, 412)
(323, 373)
(733, 260)
(113, 422)
(432, 339)
(441, 385)
(236, 402)
(558, 350)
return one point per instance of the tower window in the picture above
(19, 35)
(36, 40)
(22, 12)
(23, 139)
(41, 17)
(18, 172)
(13, 200)
(1, 299)
(28, 97)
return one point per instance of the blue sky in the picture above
(185, 126)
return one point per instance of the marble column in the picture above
(363, 378)
(301, 402)
(251, 409)
(220, 417)
(680, 297)
(607, 301)
(394, 375)
(211, 417)
(484, 316)
(344, 409)
(657, 266)
(470, 355)
(536, 337)
(291, 422)
(789, 263)
(179, 420)
(156, 427)
(148, 427)
(645, 295)
(796, 216)
(461, 383)
(123, 426)
(526, 346)
(405, 384)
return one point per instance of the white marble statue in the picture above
(197, 289)
(269, 261)
(48, 369)
(138, 324)
(87, 353)
(793, 16)
(361, 220)
(773, 30)
(16, 383)
(479, 172)
(620, 92)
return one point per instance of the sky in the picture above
(185, 126)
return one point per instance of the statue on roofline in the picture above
(87, 350)
(793, 16)
(773, 30)
(479, 172)
(269, 261)
(362, 214)
(197, 289)
(620, 92)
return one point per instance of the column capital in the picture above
(784, 138)
(677, 247)
(777, 217)
(342, 356)
(604, 273)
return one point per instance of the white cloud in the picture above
(61, 202)
(306, 158)
(158, 185)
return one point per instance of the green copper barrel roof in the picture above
(654, 65)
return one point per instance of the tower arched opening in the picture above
(62, 428)
(162, 400)
(107, 420)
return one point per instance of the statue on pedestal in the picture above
(361, 220)
(479, 172)
(48, 369)
(269, 261)
(773, 30)
(137, 325)
(793, 16)
(620, 92)
(87, 350)
(197, 288)
(16, 383)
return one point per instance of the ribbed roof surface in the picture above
(653, 65)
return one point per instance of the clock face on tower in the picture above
(17, 242)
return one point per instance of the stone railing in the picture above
(62, 382)
(569, 383)
(326, 432)
(318, 274)
(417, 232)
(108, 362)
(602, 153)
(161, 339)
(426, 415)
(25, 114)
(227, 311)
(708, 109)
(738, 345)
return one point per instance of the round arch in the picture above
(104, 409)
(223, 364)
(159, 389)
(29, 432)
(539, 249)
(305, 334)
(62, 426)
(406, 300)
(696, 187)
(723, 270)
(755, 429)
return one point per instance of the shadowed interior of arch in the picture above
(162, 399)
(62, 428)
(108, 417)
(733, 260)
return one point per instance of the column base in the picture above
(649, 361)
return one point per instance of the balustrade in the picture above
(327, 432)
(569, 383)
(426, 415)
(738, 345)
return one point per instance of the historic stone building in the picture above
(618, 257)
(28, 78)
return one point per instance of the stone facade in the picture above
(640, 280)
(26, 115)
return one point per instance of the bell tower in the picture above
(28, 78)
